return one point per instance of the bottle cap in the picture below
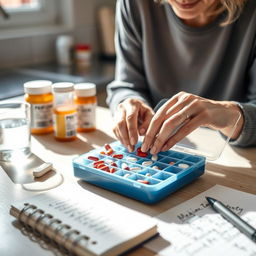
(85, 89)
(37, 87)
(63, 87)
(84, 47)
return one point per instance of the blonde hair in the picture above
(232, 7)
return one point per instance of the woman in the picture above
(180, 49)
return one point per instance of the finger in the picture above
(115, 130)
(185, 130)
(132, 123)
(170, 127)
(121, 128)
(145, 118)
(174, 105)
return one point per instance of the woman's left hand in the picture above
(185, 112)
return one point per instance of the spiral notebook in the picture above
(84, 223)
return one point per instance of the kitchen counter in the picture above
(11, 80)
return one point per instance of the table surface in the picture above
(236, 168)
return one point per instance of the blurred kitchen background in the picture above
(35, 34)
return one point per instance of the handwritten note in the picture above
(193, 228)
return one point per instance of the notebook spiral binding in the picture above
(30, 210)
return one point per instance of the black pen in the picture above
(233, 218)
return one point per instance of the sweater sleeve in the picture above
(130, 81)
(248, 133)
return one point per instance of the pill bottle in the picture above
(39, 95)
(83, 54)
(86, 102)
(64, 112)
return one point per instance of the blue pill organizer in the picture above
(171, 171)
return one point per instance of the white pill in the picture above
(135, 169)
(147, 163)
(183, 166)
(155, 167)
(126, 175)
(109, 161)
(154, 157)
(42, 169)
(132, 159)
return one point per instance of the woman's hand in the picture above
(185, 112)
(132, 118)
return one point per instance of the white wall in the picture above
(29, 50)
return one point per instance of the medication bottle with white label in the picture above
(39, 95)
(64, 112)
(86, 102)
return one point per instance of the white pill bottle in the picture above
(64, 46)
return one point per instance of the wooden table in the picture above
(236, 168)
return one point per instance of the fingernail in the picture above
(144, 147)
(153, 150)
(142, 130)
(133, 141)
(130, 148)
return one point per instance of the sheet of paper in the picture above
(194, 228)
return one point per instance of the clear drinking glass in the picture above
(14, 131)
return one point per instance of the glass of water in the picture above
(14, 131)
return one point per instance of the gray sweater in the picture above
(158, 56)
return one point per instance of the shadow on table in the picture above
(84, 142)
(43, 242)
(248, 153)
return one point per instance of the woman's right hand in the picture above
(132, 118)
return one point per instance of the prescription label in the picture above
(41, 115)
(65, 125)
(86, 114)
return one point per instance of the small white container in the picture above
(64, 45)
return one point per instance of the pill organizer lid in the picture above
(204, 142)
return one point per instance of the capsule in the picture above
(143, 181)
(147, 163)
(107, 146)
(131, 159)
(154, 157)
(118, 156)
(93, 158)
(112, 170)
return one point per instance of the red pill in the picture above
(98, 162)
(112, 170)
(107, 146)
(143, 181)
(110, 152)
(114, 164)
(98, 166)
(142, 154)
(93, 158)
(118, 156)
(104, 168)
